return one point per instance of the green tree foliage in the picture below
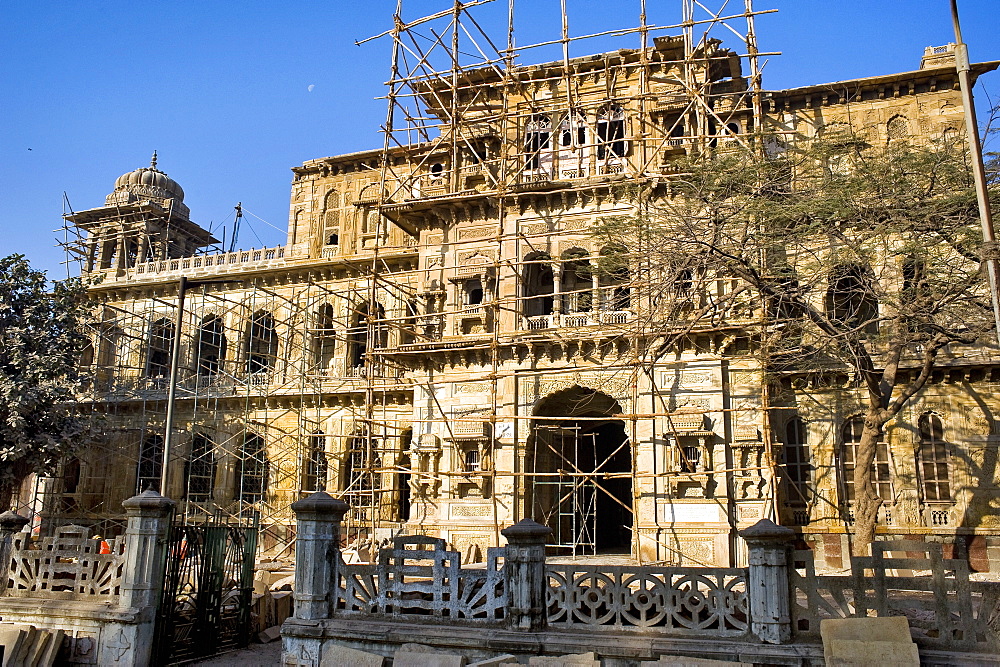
(833, 257)
(41, 339)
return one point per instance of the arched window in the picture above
(473, 291)
(850, 298)
(361, 481)
(614, 279)
(87, 357)
(538, 285)
(784, 304)
(357, 338)
(261, 348)
(577, 282)
(199, 472)
(683, 282)
(368, 320)
(410, 323)
(150, 468)
(611, 132)
(212, 345)
(882, 479)
(252, 469)
(331, 218)
(110, 349)
(537, 143)
(314, 463)
(158, 348)
(796, 471)
(898, 127)
(325, 340)
(573, 130)
(933, 459)
(72, 471)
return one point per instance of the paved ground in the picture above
(256, 655)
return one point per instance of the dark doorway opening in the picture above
(580, 484)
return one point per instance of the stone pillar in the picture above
(145, 541)
(768, 589)
(595, 290)
(149, 516)
(317, 553)
(557, 297)
(524, 575)
(10, 523)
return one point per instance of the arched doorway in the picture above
(580, 464)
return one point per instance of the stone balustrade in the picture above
(201, 265)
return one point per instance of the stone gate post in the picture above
(145, 542)
(768, 587)
(317, 553)
(142, 575)
(524, 575)
(10, 523)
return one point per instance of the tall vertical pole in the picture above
(990, 252)
(175, 355)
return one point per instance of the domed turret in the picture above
(149, 183)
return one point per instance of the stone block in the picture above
(848, 653)
(21, 655)
(38, 648)
(48, 658)
(335, 655)
(12, 637)
(568, 660)
(868, 641)
(419, 655)
(880, 629)
(281, 607)
(269, 635)
(507, 659)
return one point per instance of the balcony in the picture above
(575, 320)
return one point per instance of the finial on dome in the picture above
(152, 163)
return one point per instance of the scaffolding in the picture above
(297, 379)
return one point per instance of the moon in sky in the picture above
(311, 86)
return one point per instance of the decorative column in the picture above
(595, 293)
(557, 295)
(524, 575)
(10, 523)
(145, 542)
(768, 589)
(317, 553)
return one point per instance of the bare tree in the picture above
(836, 257)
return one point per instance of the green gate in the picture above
(207, 592)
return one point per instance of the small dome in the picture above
(148, 183)
(151, 176)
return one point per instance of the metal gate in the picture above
(207, 591)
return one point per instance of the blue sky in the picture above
(232, 95)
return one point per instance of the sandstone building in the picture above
(435, 343)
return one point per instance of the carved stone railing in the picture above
(419, 576)
(67, 566)
(679, 600)
(590, 318)
(254, 258)
(943, 607)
